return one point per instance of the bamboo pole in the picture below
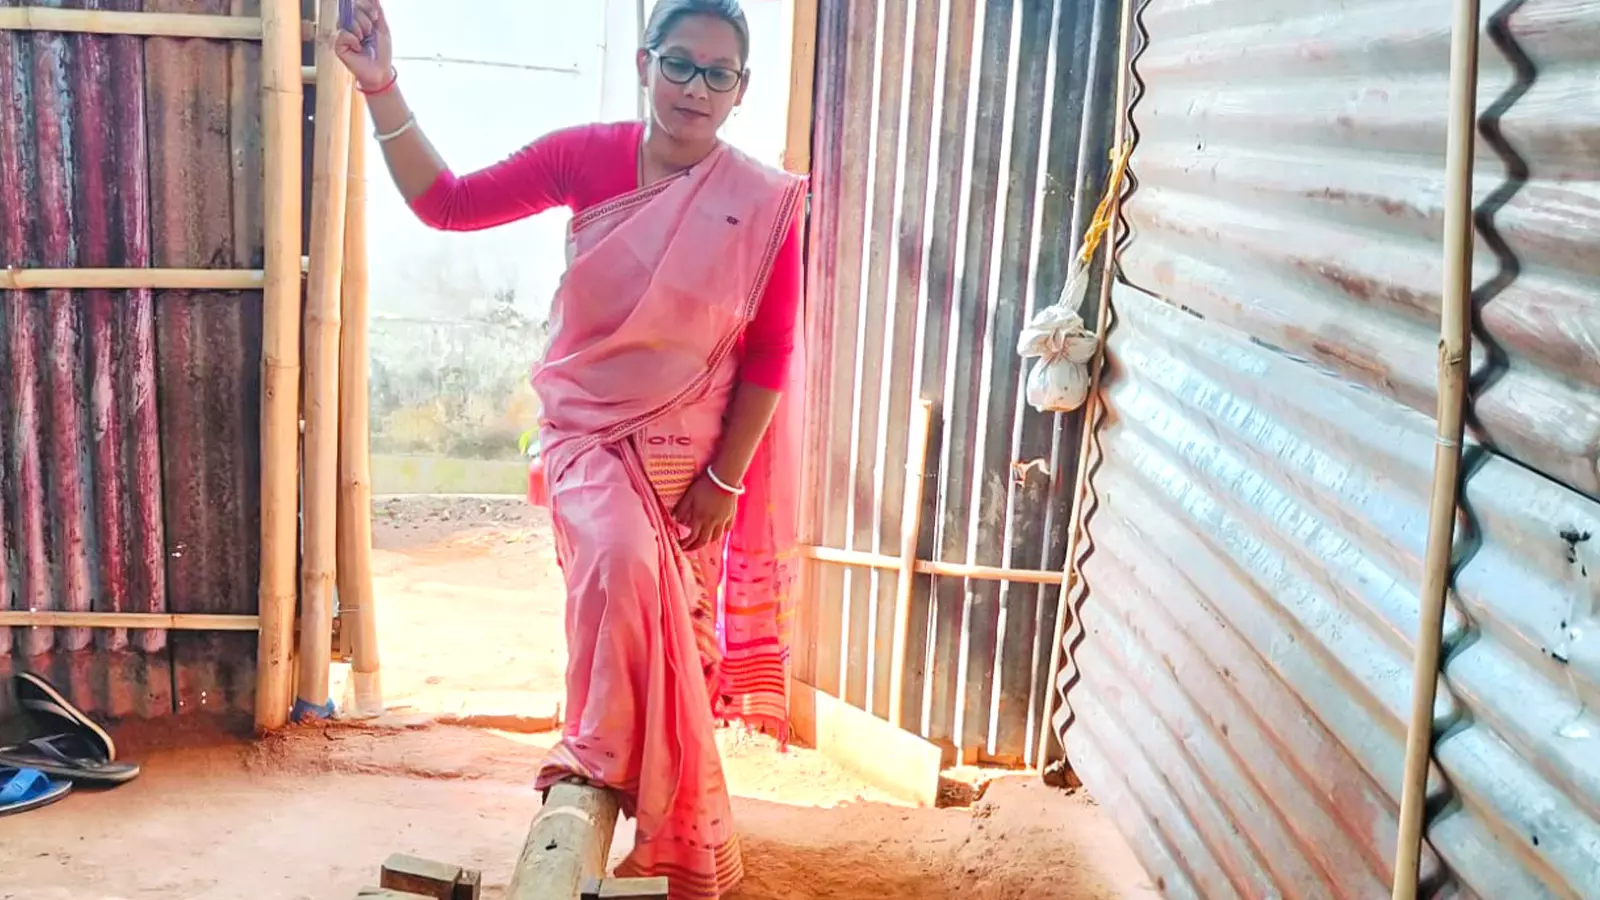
(802, 85)
(1454, 363)
(869, 560)
(282, 102)
(132, 279)
(1043, 756)
(320, 493)
(141, 621)
(356, 606)
(140, 24)
(910, 530)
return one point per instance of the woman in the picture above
(667, 426)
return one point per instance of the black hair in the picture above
(668, 13)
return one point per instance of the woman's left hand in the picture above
(707, 511)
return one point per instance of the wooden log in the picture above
(282, 107)
(132, 279)
(320, 493)
(356, 600)
(910, 530)
(140, 621)
(567, 844)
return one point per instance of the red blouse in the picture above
(581, 167)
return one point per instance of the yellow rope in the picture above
(1101, 223)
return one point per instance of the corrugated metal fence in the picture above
(1240, 676)
(952, 170)
(129, 420)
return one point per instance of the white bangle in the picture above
(407, 125)
(712, 474)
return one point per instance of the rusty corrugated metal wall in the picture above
(129, 420)
(1239, 674)
(952, 169)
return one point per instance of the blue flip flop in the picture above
(22, 790)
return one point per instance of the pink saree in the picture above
(641, 365)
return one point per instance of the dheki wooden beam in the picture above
(142, 621)
(131, 279)
(567, 844)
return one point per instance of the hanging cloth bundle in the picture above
(1059, 381)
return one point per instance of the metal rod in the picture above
(1454, 363)
(910, 529)
(140, 621)
(868, 560)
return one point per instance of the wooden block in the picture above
(891, 759)
(625, 889)
(423, 877)
(470, 885)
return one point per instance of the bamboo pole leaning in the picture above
(140, 24)
(910, 530)
(282, 106)
(320, 490)
(802, 86)
(1043, 756)
(1444, 501)
(129, 279)
(356, 600)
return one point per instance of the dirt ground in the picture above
(312, 813)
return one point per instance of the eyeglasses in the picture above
(682, 71)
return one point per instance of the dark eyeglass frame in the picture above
(697, 71)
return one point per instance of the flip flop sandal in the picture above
(39, 697)
(22, 790)
(73, 757)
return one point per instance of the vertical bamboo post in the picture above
(281, 108)
(355, 464)
(1091, 409)
(330, 161)
(1454, 365)
(910, 529)
(802, 85)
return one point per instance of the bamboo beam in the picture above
(282, 105)
(802, 86)
(910, 530)
(140, 24)
(567, 843)
(320, 494)
(141, 621)
(1455, 357)
(132, 279)
(356, 598)
(868, 560)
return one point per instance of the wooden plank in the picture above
(469, 886)
(930, 567)
(567, 843)
(422, 877)
(893, 760)
(625, 889)
(146, 24)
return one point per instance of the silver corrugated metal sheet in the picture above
(956, 144)
(1239, 666)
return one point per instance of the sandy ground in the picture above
(312, 813)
